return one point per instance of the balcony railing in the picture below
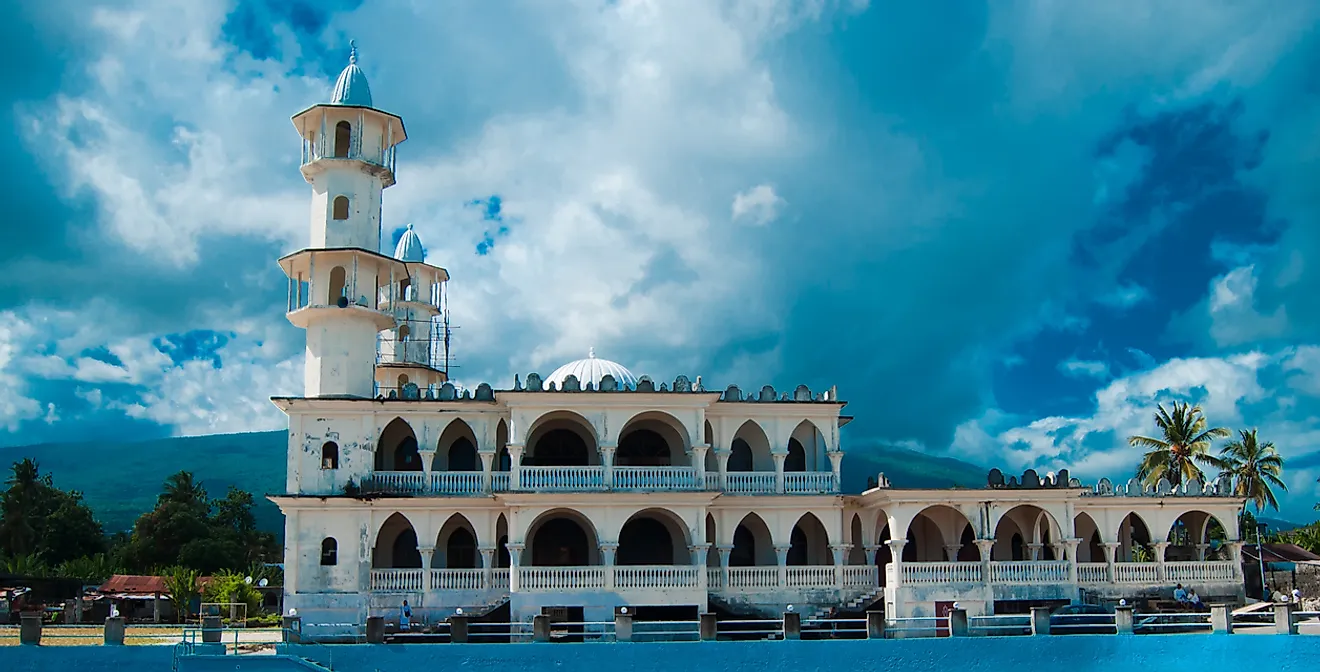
(1092, 572)
(810, 576)
(1200, 572)
(456, 482)
(1031, 571)
(1136, 572)
(413, 580)
(860, 576)
(563, 479)
(809, 482)
(656, 576)
(589, 478)
(749, 482)
(941, 572)
(655, 478)
(546, 579)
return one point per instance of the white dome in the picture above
(591, 370)
(351, 88)
(409, 247)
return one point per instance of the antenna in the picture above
(447, 331)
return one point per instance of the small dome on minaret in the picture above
(409, 247)
(351, 88)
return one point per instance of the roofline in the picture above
(368, 108)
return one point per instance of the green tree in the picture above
(182, 584)
(1184, 443)
(38, 518)
(190, 530)
(1255, 468)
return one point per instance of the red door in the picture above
(942, 611)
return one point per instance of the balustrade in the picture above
(458, 579)
(397, 580)
(941, 572)
(563, 479)
(808, 482)
(395, 482)
(1092, 572)
(656, 576)
(1136, 572)
(456, 482)
(753, 577)
(749, 482)
(1200, 572)
(547, 579)
(860, 576)
(655, 478)
(810, 576)
(499, 481)
(1031, 571)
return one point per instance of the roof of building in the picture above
(135, 584)
(591, 370)
(351, 88)
(1280, 553)
(410, 247)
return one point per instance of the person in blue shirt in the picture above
(405, 616)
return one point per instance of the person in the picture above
(1296, 595)
(1180, 595)
(1194, 600)
(405, 616)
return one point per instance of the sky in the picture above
(1005, 230)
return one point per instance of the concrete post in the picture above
(515, 561)
(875, 625)
(781, 556)
(375, 629)
(540, 628)
(623, 627)
(1283, 619)
(1221, 621)
(515, 465)
(292, 629)
(779, 471)
(607, 553)
(792, 625)
(709, 627)
(29, 629)
(458, 629)
(1040, 620)
(155, 608)
(211, 629)
(114, 632)
(958, 623)
(1123, 619)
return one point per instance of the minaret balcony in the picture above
(318, 158)
(307, 315)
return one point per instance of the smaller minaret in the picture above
(407, 354)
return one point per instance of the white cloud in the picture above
(759, 205)
(1084, 368)
(15, 407)
(1125, 296)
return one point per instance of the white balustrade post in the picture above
(1111, 550)
(487, 467)
(699, 552)
(836, 463)
(840, 552)
(725, 552)
(722, 463)
(1158, 547)
(487, 567)
(515, 560)
(607, 551)
(779, 471)
(781, 556)
(515, 466)
(870, 554)
(607, 461)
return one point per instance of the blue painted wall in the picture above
(1081, 653)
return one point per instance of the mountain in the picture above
(121, 480)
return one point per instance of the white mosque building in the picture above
(593, 488)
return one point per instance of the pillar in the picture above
(1040, 620)
(1221, 621)
(792, 625)
(836, 462)
(1235, 552)
(1111, 549)
(708, 627)
(607, 551)
(515, 465)
(1283, 619)
(515, 559)
(1033, 551)
(623, 622)
(986, 547)
(540, 628)
(29, 629)
(1060, 550)
(1123, 619)
(725, 552)
(1072, 543)
(291, 629)
(607, 462)
(870, 554)
(699, 451)
(779, 470)
(896, 561)
(458, 629)
(722, 463)
(113, 634)
(958, 626)
(211, 630)
(875, 625)
(428, 461)
(781, 556)
(698, 552)
(487, 469)
(1158, 548)
(487, 566)
(951, 552)
(1201, 550)
(840, 552)
(155, 608)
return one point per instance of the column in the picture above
(607, 551)
(515, 469)
(487, 567)
(515, 559)
(781, 555)
(698, 552)
(986, 547)
(427, 552)
(725, 552)
(951, 552)
(779, 471)
(699, 451)
(840, 552)
(1111, 550)
(607, 462)
(870, 554)
(1158, 547)
(722, 463)
(1060, 550)
(1201, 551)
(1072, 544)
(1235, 552)
(427, 457)
(836, 462)
(487, 467)
(1033, 551)
(896, 561)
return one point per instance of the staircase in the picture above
(851, 605)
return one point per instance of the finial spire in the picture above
(591, 353)
(352, 52)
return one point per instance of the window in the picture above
(329, 552)
(340, 208)
(343, 138)
(338, 281)
(330, 455)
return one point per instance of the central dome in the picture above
(591, 370)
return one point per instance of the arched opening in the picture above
(339, 211)
(643, 448)
(1033, 528)
(397, 448)
(1195, 535)
(396, 545)
(1134, 540)
(501, 542)
(797, 456)
(754, 453)
(1090, 548)
(329, 455)
(884, 555)
(752, 544)
(403, 380)
(343, 139)
(653, 537)
(456, 450)
(338, 278)
(856, 554)
(563, 539)
(463, 456)
(404, 331)
(502, 462)
(712, 553)
(712, 460)
(740, 456)
(809, 544)
(456, 545)
(329, 552)
(938, 534)
(561, 440)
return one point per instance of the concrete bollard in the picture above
(211, 629)
(114, 631)
(29, 629)
(875, 625)
(709, 627)
(540, 628)
(1221, 621)
(958, 623)
(292, 629)
(623, 627)
(1040, 620)
(1123, 619)
(458, 629)
(1283, 619)
(375, 629)
(792, 625)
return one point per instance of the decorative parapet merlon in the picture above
(1031, 480)
(1220, 487)
(767, 394)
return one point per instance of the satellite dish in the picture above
(248, 580)
(342, 302)
(263, 583)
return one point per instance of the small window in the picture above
(343, 138)
(330, 455)
(329, 552)
(340, 208)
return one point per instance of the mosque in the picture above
(593, 489)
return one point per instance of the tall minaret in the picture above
(408, 351)
(340, 288)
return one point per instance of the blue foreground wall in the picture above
(1080, 653)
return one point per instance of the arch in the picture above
(502, 542)
(1133, 538)
(561, 438)
(805, 447)
(396, 545)
(856, 554)
(456, 545)
(653, 537)
(1030, 524)
(343, 139)
(403, 333)
(397, 448)
(1091, 548)
(796, 460)
(652, 439)
(562, 538)
(1192, 534)
(339, 208)
(329, 455)
(752, 544)
(456, 449)
(329, 552)
(502, 446)
(884, 555)
(937, 533)
(754, 452)
(713, 552)
(338, 283)
(809, 544)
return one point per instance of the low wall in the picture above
(1077, 653)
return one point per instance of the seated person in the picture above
(1194, 600)
(1180, 595)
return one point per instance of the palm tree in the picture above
(1185, 442)
(183, 488)
(1255, 468)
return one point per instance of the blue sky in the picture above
(1005, 230)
